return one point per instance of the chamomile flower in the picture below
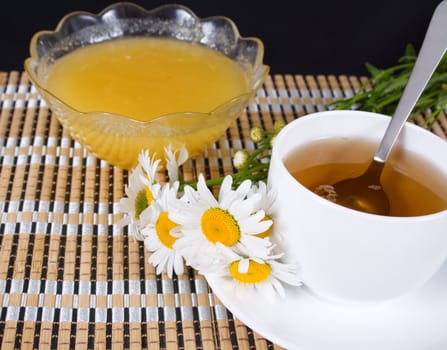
(230, 221)
(161, 233)
(265, 276)
(174, 160)
(140, 191)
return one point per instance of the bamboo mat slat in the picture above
(70, 278)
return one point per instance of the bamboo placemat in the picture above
(69, 276)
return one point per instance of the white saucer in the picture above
(302, 321)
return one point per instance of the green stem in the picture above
(254, 169)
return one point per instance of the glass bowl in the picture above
(119, 139)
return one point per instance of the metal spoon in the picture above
(365, 192)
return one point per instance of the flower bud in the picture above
(257, 134)
(278, 125)
(240, 159)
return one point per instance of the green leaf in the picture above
(385, 88)
(374, 71)
(410, 51)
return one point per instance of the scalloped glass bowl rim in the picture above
(259, 69)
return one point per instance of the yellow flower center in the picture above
(256, 272)
(268, 231)
(163, 227)
(219, 225)
(143, 200)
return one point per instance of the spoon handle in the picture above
(431, 52)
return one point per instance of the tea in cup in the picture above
(348, 255)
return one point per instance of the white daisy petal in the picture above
(266, 199)
(254, 228)
(243, 265)
(225, 187)
(241, 209)
(251, 219)
(205, 194)
(151, 241)
(124, 222)
(183, 155)
(241, 289)
(287, 273)
(173, 162)
(278, 287)
(191, 195)
(228, 200)
(178, 264)
(158, 257)
(161, 266)
(149, 165)
(170, 266)
(255, 246)
(267, 290)
(244, 188)
(228, 253)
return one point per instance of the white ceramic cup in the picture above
(347, 255)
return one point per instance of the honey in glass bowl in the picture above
(144, 78)
(130, 79)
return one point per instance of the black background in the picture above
(302, 37)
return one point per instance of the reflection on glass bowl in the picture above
(119, 138)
